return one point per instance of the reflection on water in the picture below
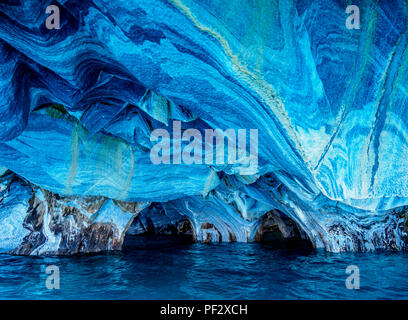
(170, 268)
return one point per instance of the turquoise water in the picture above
(171, 268)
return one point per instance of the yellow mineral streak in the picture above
(255, 81)
(128, 181)
(101, 160)
(74, 158)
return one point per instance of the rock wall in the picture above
(34, 221)
(78, 106)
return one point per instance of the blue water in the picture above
(170, 268)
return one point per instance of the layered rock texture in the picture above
(78, 105)
(39, 222)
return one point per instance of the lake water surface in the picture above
(152, 267)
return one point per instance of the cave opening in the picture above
(155, 225)
(277, 229)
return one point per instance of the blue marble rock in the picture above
(34, 221)
(78, 106)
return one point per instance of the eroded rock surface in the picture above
(78, 106)
(34, 221)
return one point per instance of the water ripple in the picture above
(167, 268)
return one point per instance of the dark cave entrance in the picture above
(276, 229)
(155, 225)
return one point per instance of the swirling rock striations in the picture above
(78, 106)
(39, 222)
